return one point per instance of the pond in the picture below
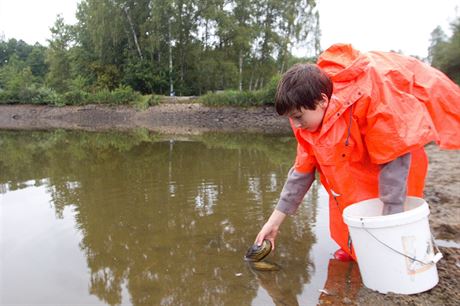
(138, 218)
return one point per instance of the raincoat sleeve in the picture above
(300, 178)
(305, 162)
(294, 190)
(393, 184)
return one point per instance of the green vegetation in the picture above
(444, 52)
(146, 101)
(134, 52)
(46, 95)
(121, 50)
(263, 96)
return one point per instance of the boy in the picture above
(361, 120)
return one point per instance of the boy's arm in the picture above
(294, 190)
(393, 184)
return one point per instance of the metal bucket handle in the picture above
(433, 260)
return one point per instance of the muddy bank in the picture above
(177, 118)
(442, 185)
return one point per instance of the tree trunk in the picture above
(171, 85)
(241, 71)
(283, 57)
(125, 9)
(206, 34)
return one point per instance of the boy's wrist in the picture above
(276, 218)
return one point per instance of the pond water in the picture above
(138, 218)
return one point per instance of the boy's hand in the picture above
(270, 229)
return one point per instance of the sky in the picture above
(400, 25)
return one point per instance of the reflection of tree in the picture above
(343, 283)
(273, 283)
(169, 220)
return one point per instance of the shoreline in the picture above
(168, 118)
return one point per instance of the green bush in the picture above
(75, 97)
(231, 98)
(265, 96)
(144, 102)
(154, 100)
(31, 94)
(45, 95)
(124, 94)
(101, 97)
(4, 97)
(121, 95)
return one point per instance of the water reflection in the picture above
(343, 283)
(163, 221)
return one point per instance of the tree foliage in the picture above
(444, 52)
(181, 47)
(58, 56)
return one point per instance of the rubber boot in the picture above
(341, 255)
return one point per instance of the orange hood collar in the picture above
(342, 63)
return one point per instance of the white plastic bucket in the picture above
(394, 252)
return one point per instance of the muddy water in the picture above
(144, 219)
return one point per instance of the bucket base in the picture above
(406, 290)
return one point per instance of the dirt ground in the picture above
(442, 185)
(175, 118)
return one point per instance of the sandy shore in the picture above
(179, 118)
(442, 186)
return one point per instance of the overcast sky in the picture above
(367, 24)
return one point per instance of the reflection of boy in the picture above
(361, 120)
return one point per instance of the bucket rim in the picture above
(398, 219)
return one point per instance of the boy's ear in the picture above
(325, 101)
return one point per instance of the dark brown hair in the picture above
(302, 86)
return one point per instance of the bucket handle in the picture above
(437, 257)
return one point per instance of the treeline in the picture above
(180, 47)
(123, 51)
(444, 52)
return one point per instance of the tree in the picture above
(165, 46)
(57, 57)
(444, 52)
(437, 44)
(244, 34)
(102, 39)
(15, 75)
(36, 61)
(17, 47)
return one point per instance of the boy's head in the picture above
(302, 86)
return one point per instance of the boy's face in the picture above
(307, 119)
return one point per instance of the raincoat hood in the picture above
(342, 63)
(396, 83)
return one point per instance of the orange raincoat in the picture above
(384, 105)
